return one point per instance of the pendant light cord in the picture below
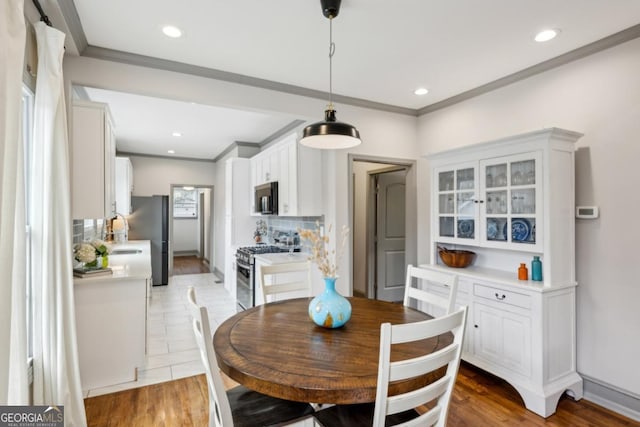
(332, 50)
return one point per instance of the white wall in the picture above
(186, 235)
(385, 135)
(600, 97)
(360, 191)
(220, 258)
(153, 175)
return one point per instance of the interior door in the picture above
(390, 236)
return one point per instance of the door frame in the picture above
(200, 221)
(372, 225)
(411, 214)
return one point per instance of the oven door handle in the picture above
(243, 265)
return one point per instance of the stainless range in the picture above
(245, 271)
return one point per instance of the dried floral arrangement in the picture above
(326, 257)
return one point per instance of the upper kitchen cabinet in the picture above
(297, 170)
(124, 185)
(513, 194)
(93, 154)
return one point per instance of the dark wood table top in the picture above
(277, 350)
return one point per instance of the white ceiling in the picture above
(384, 49)
(145, 125)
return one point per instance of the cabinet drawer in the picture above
(502, 296)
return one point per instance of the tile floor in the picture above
(172, 351)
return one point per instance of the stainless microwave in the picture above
(266, 198)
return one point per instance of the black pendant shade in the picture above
(330, 134)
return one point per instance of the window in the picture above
(185, 202)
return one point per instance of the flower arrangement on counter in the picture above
(88, 253)
(326, 257)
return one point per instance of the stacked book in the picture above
(88, 272)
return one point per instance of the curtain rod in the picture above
(43, 17)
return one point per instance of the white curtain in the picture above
(13, 330)
(56, 369)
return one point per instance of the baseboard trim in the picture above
(186, 253)
(611, 398)
(219, 274)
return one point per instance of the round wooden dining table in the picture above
(277, 350)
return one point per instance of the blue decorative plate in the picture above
(465, 228)
(520, 230)
(492, 229)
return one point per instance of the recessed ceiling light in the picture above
(176, 134)
(421, 91)
(171, 31)
(171, 151)
(546, 35)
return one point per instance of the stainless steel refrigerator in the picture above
(149, 220)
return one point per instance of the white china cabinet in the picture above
(509, 200)
(93, 156)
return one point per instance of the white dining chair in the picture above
(293, 278)
(239, 406)
(436, 304)
(401, 408)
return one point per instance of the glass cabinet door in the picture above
(511, 199)
(457, 213)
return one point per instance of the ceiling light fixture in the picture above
(421, 91)
(188, 188)
(171, 151)
(546, 35)
(171, 31)
(176, 134)
(330, 134)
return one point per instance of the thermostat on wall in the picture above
(587, 212)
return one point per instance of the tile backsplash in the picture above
(90, 229)
(284, 224)
(87, 229)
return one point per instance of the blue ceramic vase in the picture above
(330, 309)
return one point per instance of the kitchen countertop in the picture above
(126, 266)
(282, 257)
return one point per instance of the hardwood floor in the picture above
(189, 265)
(479, 399)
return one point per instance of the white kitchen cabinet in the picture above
(239, 224)
(265, 167)
(111, 318)
(508, 200)
(93, 149)
(124, 185)
(298, 171)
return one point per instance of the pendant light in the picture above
(330, 134)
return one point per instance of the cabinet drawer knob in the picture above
(500, 297)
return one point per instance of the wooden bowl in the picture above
(457, 258)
